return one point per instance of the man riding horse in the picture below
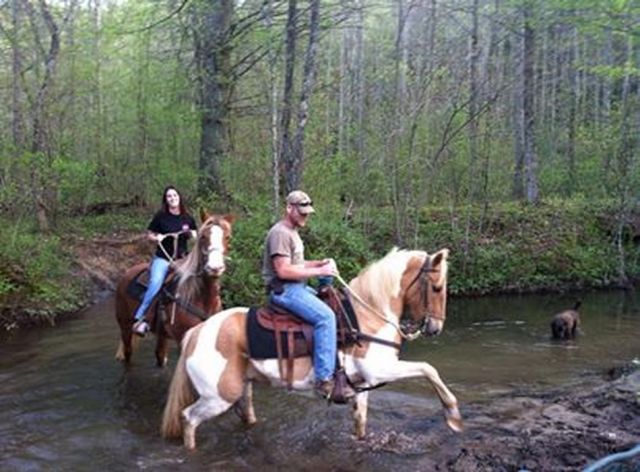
(285, 273)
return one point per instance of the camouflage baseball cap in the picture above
(301, 200)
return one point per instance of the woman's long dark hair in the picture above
(165, 205)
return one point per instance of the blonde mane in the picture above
(379, 282)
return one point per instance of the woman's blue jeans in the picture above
(157, 272)
(302, 300)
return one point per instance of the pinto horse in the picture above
(197, 295)
(215, 360)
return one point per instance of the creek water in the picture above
(66, 404)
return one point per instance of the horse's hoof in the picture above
(454, 419)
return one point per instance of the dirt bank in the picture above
(566, 431)
(101, 261)
(559, 431)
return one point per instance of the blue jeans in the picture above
(157, 272)
(301, 300)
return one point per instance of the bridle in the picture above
(421, 277)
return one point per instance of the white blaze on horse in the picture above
(215, 359)
(197, 293)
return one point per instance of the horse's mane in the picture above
(379, 282)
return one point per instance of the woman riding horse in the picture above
(197, 295)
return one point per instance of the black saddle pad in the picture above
(138, 285)
(262, 341)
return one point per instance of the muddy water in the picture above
(65, 404)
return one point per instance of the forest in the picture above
(506, 130)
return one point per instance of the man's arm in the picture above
(288, 271)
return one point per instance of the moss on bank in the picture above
(553, 246)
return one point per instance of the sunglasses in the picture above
(305, 204)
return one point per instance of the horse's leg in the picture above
(125, 349)
(122, 317)
(360, 414)
(217, 370)
(405, 369)
(203, 409)
(244, 406)
(161, 347)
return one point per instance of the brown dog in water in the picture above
(564, 325)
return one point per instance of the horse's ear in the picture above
(204, 215)
(229, 218)
(439, 257)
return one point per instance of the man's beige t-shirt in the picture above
(281, 241)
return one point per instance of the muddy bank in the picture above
(97, 263)
(563, 432)
(559, 431)
(101, 261)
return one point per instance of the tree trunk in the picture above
(294, 165)
(273, 103)
(359, 80)
(518, 119)
(213, 53)
(17, 119)
(530, 159)
(287, 96)
(42, 188)
(571, 115)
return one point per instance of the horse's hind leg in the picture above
(161, 348)
(360, 414)
(244, 406)
(201, 410)
(125, 348)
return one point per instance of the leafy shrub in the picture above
(36, 273)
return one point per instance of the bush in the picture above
(35, 273)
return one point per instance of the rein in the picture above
(176, 300)
(175, 244)
(355, 332)
(188, 307)
(408, 337)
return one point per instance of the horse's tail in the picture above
(181, 391)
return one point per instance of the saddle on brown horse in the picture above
(274, 332)
(165, 296)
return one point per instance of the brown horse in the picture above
(197, 295)
(215, 362)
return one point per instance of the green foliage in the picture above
(556, 245)
(36, 270)
(242, 284)
(88, 226)
(77, 179)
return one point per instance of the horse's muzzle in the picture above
(214, 271)
(432, 327)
